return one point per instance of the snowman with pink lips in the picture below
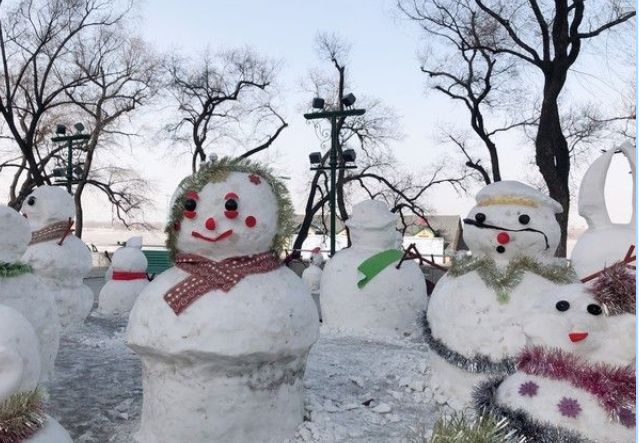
(224, 334)
(476, 313)
(575, 380)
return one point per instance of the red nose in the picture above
(210, 224)
(503, 238)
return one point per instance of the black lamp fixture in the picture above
(318, 103)
(61, 129)
(349, 100)
(79, 127)
(349, 156)
(315, 158)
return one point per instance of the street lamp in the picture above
(349, 155)
(61, 137)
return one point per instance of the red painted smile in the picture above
(578, 336)
(222, 236)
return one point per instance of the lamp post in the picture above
(61, 137)
(348, 155)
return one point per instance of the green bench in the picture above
(157, 261)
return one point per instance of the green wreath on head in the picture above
(216, 171)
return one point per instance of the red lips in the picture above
(578, 336)
(222, 236)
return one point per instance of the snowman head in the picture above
(15, 235)
(47, 205)
(317, 257)
(130, 258)
(230, 207)
(511, 219)
(373, 226)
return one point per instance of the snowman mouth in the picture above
(577, 336)
(222, 236)
(481, 225)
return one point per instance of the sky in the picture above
(384, 63)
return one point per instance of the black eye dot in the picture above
(524, 219)
(480, 217)
(31, 201)
(231, 205)
(563, 305)
(190, 204)
(595, 309)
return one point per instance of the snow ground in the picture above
(357, 389)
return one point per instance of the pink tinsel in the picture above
(615, 289)
(614, 386)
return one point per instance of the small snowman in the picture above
(20, 289)
(57, 256)
(575, 382)
(363, 291)
(22, 419)
(312, 275)
(128, 278)
(474, 321)
(224, 334)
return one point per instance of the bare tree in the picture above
(547, 36)
(37, 70)
(220, 98)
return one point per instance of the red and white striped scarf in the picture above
(205, 275)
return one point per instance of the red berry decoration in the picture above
(250, 221)
(254, 179)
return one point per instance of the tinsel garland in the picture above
(484, 397)
(485, 428)
(615, 289)
(217, 171)
(613, 386)
(21, 416)
(9, 270)
(479, 364)
(502, 282)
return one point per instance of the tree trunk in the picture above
(552, 155)
(79, 216)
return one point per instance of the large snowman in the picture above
(57, 256)
(224, 335)
(575, 382)
(362, 290)
(476, 312)
(23, 291)
(21, 416)
(127, 278)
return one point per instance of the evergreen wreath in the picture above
(8, 270)
(21, 416)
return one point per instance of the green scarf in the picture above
(8, 270)
(21, 416)
(504, 282)
(376, 263)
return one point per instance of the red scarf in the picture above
(614, 386)
(206, 275)
(127, 276)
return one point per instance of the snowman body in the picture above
(604, 242)
(391, 302)
(61, 264)
(20, 373)
(229, 367)
(127, 279)
(25, 292)
(572, 380)
(476, 313)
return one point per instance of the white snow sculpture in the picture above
(20, 369)
(312, 276)
(362, 291)
(20, 289)
(575, 382)
(128, 279)
(57, 256)
(224, 335)
(603, 243)
(476, 311)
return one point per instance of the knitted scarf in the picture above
(54, 231)
(207, 275)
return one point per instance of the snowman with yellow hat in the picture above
(476, 315)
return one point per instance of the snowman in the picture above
(604, 242)
(312, 275)
(127, 279)
(362, 289)
(21, 290)
(575, 381)
(21, 416)
(57, 256)
(224, 334)
(474, 321)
